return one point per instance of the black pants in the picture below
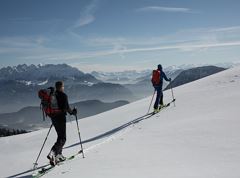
(59, 123)
(159, 98)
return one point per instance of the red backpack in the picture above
(49, 104)
(156, 77)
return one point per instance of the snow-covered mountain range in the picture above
(33, 72)
(19, 85)
(198, 138)
(42, 74)
(134, 76)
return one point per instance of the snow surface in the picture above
(200, 137)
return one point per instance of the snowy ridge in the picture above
(39, 72)
(197, 138)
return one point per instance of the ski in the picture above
(164, 107)
(46, 169)
(149, 115)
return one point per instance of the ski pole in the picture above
(79, 137)
(151, 101)
(172, 94)
(35, 164)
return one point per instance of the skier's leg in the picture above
(55, 155)
(55, 124)
(61, 139)
(161, 100)
(157, 99)
(52, 155)
(61, 133)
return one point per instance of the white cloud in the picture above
(226, 29)
(95, 54)
(87, 15)
(192, 39)
(84, 21)
(185, 47)
(163, 9)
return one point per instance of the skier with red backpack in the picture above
(157, 81)
(55, 105)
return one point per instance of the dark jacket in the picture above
(62, 100)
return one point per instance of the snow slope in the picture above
(197, 138)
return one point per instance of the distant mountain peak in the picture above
(34, 72)
(42, 73)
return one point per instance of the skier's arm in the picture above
(66, 105)
(165, 77)
(69, 110)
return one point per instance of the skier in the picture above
(59, 123)
(157, 80)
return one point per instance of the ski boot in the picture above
(60, 158)
(156, 110)
(52, 158)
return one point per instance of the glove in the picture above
(74, 112)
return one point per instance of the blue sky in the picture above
(114, 35)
